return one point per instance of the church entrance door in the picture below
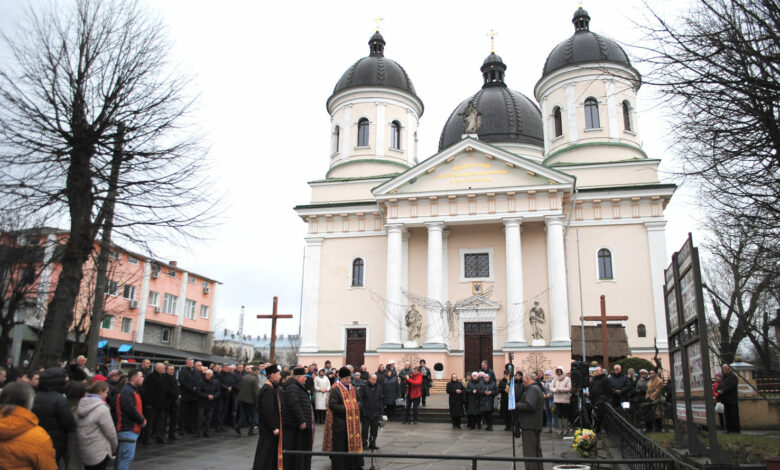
(356, 347)
(478, 345)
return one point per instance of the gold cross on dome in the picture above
(492, 35)
(580, 3)
(378, 20)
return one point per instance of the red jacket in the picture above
(414, 385)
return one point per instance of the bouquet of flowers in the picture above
(585, 442)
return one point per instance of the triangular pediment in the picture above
(478, 302)
(472, 165)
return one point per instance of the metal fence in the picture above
(632, 444)
(371, 459)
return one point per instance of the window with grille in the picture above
(357, 272)
(605, 264)
(362, 140)
(592, 114)
(476, 265)
(165, 335)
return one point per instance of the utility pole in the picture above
(101, 279)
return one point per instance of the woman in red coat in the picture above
(413, 384)
(715, 386)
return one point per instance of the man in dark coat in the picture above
(208, 394)
(370, 398)
(268, 455)
(155, 394)
(600, 393)
(53, 410)
(621, 386)
(226, 384)
(172, 397)
(427, 380)
(189, 381)
(728, 395)
(456, 392)
(483, 367)
(297, 417)
(247, 400)
(530, 412)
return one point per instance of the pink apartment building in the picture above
(152, 308)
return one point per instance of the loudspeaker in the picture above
(579, 374)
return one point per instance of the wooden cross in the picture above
(492, 35)
(274, 316)
(603, 318)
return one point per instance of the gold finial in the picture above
(378, 20)
(492, 35)
(580, 3)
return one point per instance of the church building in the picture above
(489, 246)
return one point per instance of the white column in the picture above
(437, 331)
(346, 130)
(404, 277)
(396, 302)
(311, 294)
(182, 298)
(612, 110)
(445, 241)
(556, 278)
(142, 303)
(515, 309)
(656, 240)
(380, 130)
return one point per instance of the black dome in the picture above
(376, 70)
(584, 46)
(506, 115)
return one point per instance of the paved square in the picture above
(228, 451)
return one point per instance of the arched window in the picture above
(362, 133)
(558, 121)
(592, 114)
(605, 264)
(395, 135)
(336, 138)
(641, 330)
(357, 272)
(627, 116)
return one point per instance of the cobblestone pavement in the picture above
(229, 451)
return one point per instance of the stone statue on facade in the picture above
(471, 118)
(537, 319)
(413, 323)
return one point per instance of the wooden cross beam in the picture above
(603, 318)
(274, 316)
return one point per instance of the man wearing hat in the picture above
(268, 455)
(297, 417)
(342, 424)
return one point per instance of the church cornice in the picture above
(353, 179)
(591, 144)
(366, 160)
(658, 187)
(630, 162)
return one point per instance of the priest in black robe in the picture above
(268, 455)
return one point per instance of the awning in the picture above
(125, 348)
(102, 344)
(616, 334)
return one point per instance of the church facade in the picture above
(528, 213)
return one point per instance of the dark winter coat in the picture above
(171, 390)
(189, 380)
(53, 410)
(296, 405)
(226, 381)
(371, 400)
(486, 400)
(129, 410)
(391, 389)
(600, 389)
(456, 399)
(206, 388)
(503, 390)
(490, 372)
(623, 383)
(155, 390)
(530, 408)
(727, 391)
(268, 403)
(472, 399)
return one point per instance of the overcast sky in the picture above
(263, 71)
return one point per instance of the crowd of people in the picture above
(70, 418)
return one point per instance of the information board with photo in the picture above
(695, 371)
(688, 293)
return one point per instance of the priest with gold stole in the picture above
(342, 424)
(268, 455)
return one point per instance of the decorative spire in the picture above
(492, 35)
(377, 43)
(581, 19)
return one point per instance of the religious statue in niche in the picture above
(471, 118)
(537, 319)
(413, 323)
